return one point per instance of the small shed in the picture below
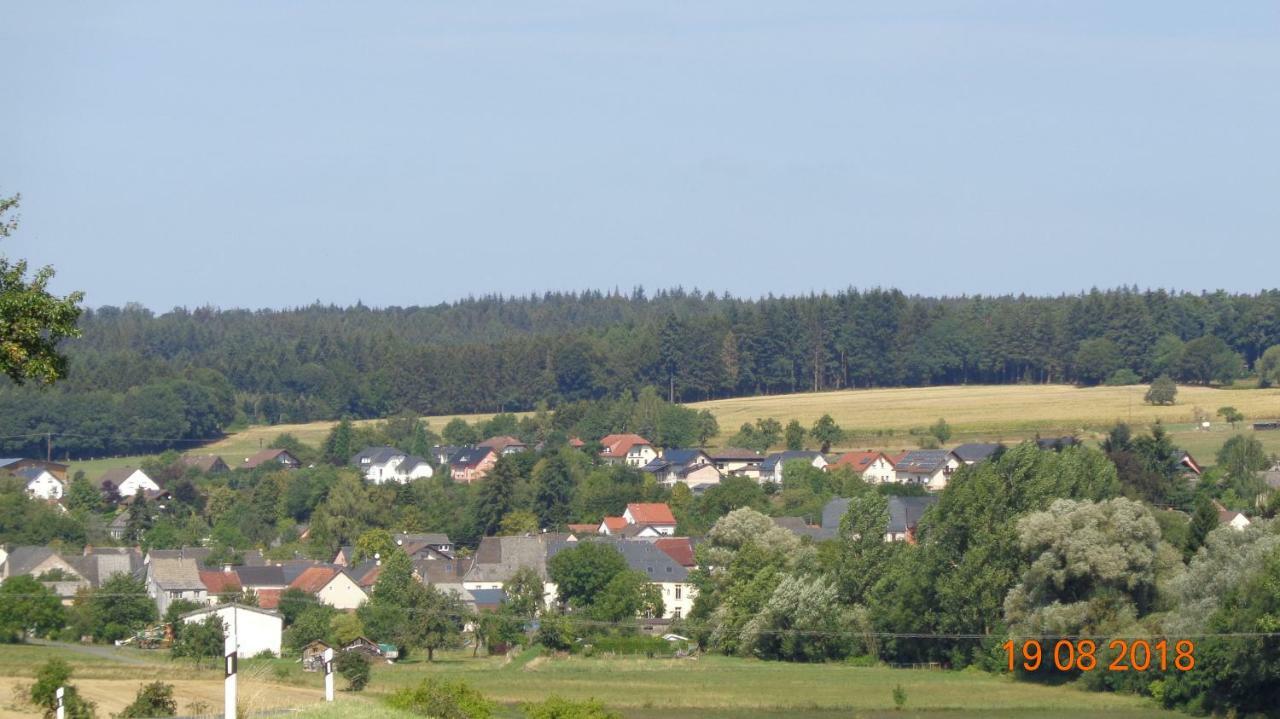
(313, 656)
(362, 645)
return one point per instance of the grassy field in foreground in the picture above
(882, 418)
(716, 687)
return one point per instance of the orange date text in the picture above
(1065, 655)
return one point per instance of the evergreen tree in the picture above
(338, 446)
(495, 496)
(555, 491)
(1204, 520)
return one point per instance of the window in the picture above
(677, 597)
(675, 613)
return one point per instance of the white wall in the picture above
(256, 632)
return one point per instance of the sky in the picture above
(274, 154)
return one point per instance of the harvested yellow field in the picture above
(193, 695)
(988, 410)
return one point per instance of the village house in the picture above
(641, 520)
(174, 578)
(928, 467)
(331, 586)
(388, 464)
(471, 464)
(128, 481)
(679, 549)
(58, 573)
(504, 445)
(220, 585)
(874, 467)
(41, 483)
(686, 466)
(904, 515)
(98, 564)
(13, 464)
(772, 467)
(428, 545)
(737, 462)
(629, 449)
(497, 560)
(257, 630)
(282, 457)
(205, 463)
(664, 572)
(975, 452)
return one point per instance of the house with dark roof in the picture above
(471, 464)
(772, 467)
(269, 576)
(98, 564)
(928, 467)
(685, 466)
(282, 457)
(388, 464)
(629, 449)
(904, 515)
(680, 549)
(874, 467)
(671, 577)
(736, 461)
(41, 483)
(497, 560)
(975, 452)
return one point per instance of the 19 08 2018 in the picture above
(1137, 655)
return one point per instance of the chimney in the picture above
(226, 568)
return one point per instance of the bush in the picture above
(441, 699)
(636, 645)
(44, 692)
(558, 708)
(899, 697)
(1123, 377)
(153, 700)
(555, 632)
(354, 667)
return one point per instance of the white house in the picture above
(929, 467)
(629, 449)
(256, 630)
(129, 481)
(331, 586)
(388, 464)
(41, 483)
(874, 467)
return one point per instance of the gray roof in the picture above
(266, 576)
(24, 559)
(488, 597)
(800, 527)
(737, 454)
(904, 512)
(498, 558)
(435, 539)
(30, 473)
(293, 567)
(641, 555)
(469, 455)
(783, 457)
(376, 455)
(100, 563)
(922, 461)
(975, 451)
(175, 574)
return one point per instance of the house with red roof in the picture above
(874, 467)
(504, 444)
(282, 457)
(679, 549)
(629, 449)
(612, 525)
(332, 586)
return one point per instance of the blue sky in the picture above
(248, 154)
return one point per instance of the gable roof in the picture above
(119, 474)
(975, 451)
(922, 461)
(859, 460)
(313, 579)
(213, 609)
(498, 558)
(376, 455)
(268, 455)
(220, 582)
(100, 563)
(904, 512)
(198, 554)
(175, 574)
(680, 549)
(651, 513)
(437, 539)
(614, 524)
(469, 456)
(619, 445)
(501, 442)
(203, 462)
(24, 559)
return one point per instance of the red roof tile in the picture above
(269, 598)
(219, 582)
(313, 579)
(618, 445)
(615, 524)
(858, 460)
(679, 549)
(651, 513)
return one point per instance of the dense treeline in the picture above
(496, 354)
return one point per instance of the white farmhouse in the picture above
(129, 481)
(388, 464)
(256, 630)
(41, 483)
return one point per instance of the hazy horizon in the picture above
(267, 156)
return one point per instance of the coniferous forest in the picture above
(141, 381)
